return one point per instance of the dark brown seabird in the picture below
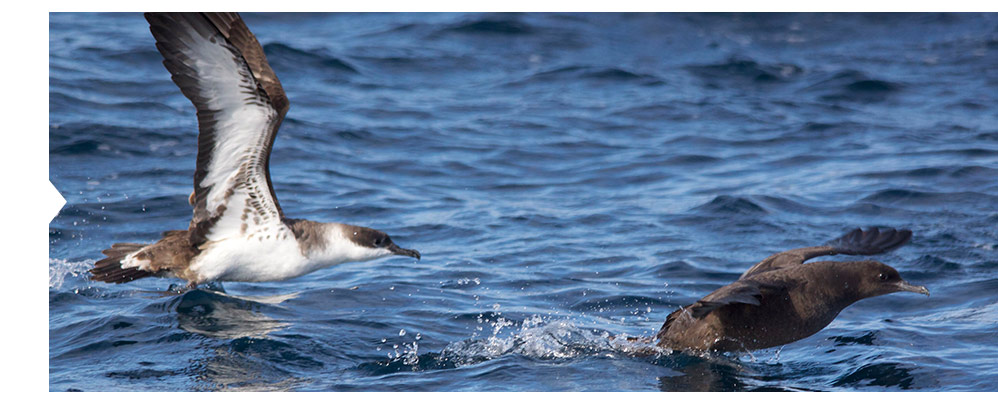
(781, 299)
(238, 231)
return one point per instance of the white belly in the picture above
(242, 260)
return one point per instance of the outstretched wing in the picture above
(856, 242)
(219, 65)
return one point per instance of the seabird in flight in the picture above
(782, 299)
(238, 231)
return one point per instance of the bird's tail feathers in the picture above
(110, 269)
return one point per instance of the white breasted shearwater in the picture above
(783, 299)
(238, 231)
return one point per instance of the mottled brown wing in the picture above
(220, 66)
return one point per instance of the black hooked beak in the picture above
(402, 251)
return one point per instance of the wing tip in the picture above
(874, 240)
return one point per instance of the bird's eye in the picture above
(379, 242)
(883, 276)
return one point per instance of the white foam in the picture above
(535, 338)
(60, 268)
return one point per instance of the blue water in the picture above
(567, 177)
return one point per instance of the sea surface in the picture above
(570, 179)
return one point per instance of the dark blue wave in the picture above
(569, 179)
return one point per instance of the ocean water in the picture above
(569, 179)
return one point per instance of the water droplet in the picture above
(402, 332)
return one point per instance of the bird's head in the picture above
(370, 244)
(875, 279)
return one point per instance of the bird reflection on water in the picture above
(215, 314)
(242, 363)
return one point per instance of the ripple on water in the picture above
(588, 172)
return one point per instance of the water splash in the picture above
(536, 337)
(59, 269)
